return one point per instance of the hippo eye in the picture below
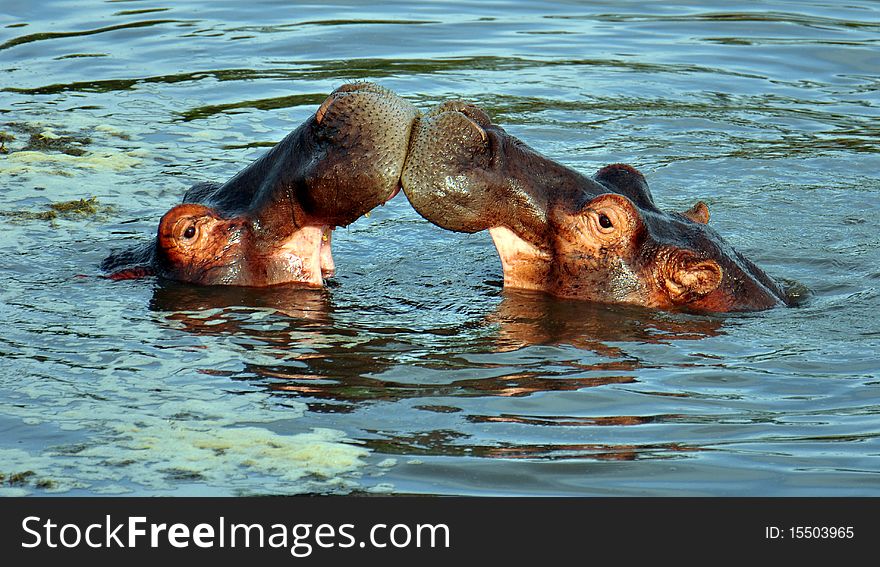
(189, 232)
(604, 221)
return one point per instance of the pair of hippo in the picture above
(599, 238)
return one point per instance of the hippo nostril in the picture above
(450, 106)
(322, 110)
(458, 117)
(479, 129)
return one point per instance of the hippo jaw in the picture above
(524, 265)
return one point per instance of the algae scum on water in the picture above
(42, 139)
(4, 138)
(30, 147)
(26, 478)
(41, 149)
(71, 210)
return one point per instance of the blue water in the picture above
(413, 372)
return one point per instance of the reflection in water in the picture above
(274, 316)
(57, 35)
(306, 354)
(444, 443)
(528, 318)
(302, 304)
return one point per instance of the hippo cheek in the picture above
(358, 143)
(304, 258)
(328, 266)
(602, 276)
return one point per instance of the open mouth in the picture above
(306, 257)
(325, 253)
(523, 265)
(393, 193)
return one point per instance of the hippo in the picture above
(599, 238)
(271, 223)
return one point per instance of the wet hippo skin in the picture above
(599, 238)
(271, 223)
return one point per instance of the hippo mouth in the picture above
(306, 257)
(394, 193)
(481, 178)
(310, 250)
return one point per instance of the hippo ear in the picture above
(699, 213)
(692, 278)
(626, 180)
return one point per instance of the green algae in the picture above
(58, 151)
(23, 216)
(81, 207)
(20, 479)
(5, 137)
(69, 210)
(26, 478)
(182, 474)
(211, 446)
(49, 141)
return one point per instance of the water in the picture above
(414, 372)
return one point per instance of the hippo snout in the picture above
(360, 134)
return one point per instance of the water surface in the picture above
(413, 372)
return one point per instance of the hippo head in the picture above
(271, 223)
(611, 250)
(196, 245)
(599, 238)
